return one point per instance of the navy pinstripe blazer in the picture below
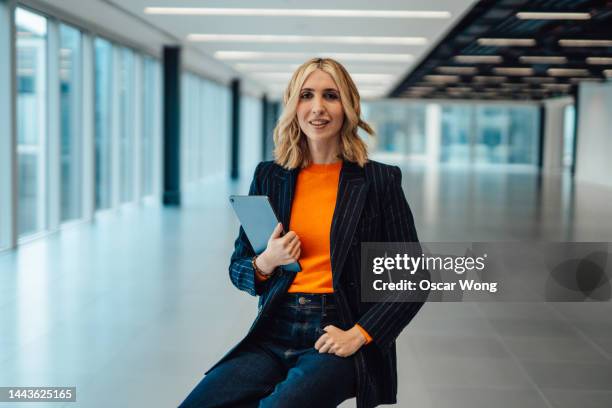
(370, 207)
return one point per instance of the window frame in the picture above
(8, 126)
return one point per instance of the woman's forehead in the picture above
(319, 79)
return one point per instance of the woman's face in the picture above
(319, 109)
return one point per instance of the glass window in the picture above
(250, 134)
(468, 133)
(193, 118)
(202, 131)
(126, 117)
(70, 142)
(6, 124)
(456, 134)
(31, 120)
(399, 126)
(196, 138)
(523, 135)
(483, 134)
(210, 124)
(194, 134)
(569, 134)
(216, 129)
(150, 116)
(491, 141)
(184, 154)
(103, 99)
(190, 108)
(223, 128)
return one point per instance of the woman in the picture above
(314, 343)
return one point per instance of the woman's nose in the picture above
(317, 106)
(317, 111)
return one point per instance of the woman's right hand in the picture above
(280, 250)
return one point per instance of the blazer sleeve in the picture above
(241, 270)
(384, 321)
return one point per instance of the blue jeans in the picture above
(278, 365)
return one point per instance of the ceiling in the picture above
(272, 70)
(106, 19)
(552, 56)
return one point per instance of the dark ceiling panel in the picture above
(490, 19)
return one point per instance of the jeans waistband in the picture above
(299, 318)
(309, 300)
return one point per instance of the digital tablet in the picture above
(258, 221)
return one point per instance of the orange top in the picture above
(311, 216)
(312, 211)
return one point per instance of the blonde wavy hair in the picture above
(291, 148)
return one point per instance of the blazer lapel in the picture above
(286, 180)
(352, 192)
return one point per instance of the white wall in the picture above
(553, 134)
(594, 149)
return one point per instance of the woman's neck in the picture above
(323, 151)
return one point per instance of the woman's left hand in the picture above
(343, 343)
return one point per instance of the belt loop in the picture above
(323, 298)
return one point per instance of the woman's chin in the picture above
(320, 135)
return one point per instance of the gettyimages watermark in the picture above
(486, 271)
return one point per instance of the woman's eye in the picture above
(331, 96)
(306, 95)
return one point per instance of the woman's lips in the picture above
(319, 124)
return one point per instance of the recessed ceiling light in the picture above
(525, 15)
(372, 95)
(264, 67)
(584, 79)
(371, 87)
(363, 90)
(361, 78)
(557, 86)
(491, 78)
(271, 12)
(373, 77)
(599, 60)
(255, 55)
(414, 94)
(507, 42)
(422, 88)
(441, 78)
(522, 71)
(585, 43)
(294, 39)
(366, 91)
(532, 91)
(457, 70)
(476, 59)
(539, 80)
(353, 67)
(542, 60)
(568, 72)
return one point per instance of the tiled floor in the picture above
(128, 309)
